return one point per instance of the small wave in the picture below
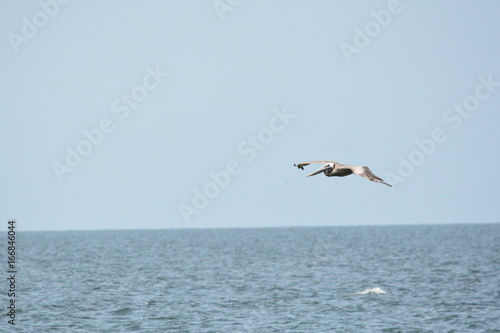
(375, 290)
(122, 311)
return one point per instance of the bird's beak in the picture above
(320, 170)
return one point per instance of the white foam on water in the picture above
(375, 290)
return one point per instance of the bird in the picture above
(335, 169)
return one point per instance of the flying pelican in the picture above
(335, 169)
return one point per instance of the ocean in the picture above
(427, 278)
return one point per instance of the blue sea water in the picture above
(436, 279)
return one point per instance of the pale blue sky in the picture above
(67, 68)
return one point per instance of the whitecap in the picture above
(375, 290)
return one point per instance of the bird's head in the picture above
(324, 168)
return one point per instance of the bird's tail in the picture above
(380, 180)
(377, 179)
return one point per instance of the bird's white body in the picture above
(336, 169)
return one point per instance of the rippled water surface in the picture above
(335, 279)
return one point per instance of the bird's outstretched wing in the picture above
(366, 173)
(303, 164)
